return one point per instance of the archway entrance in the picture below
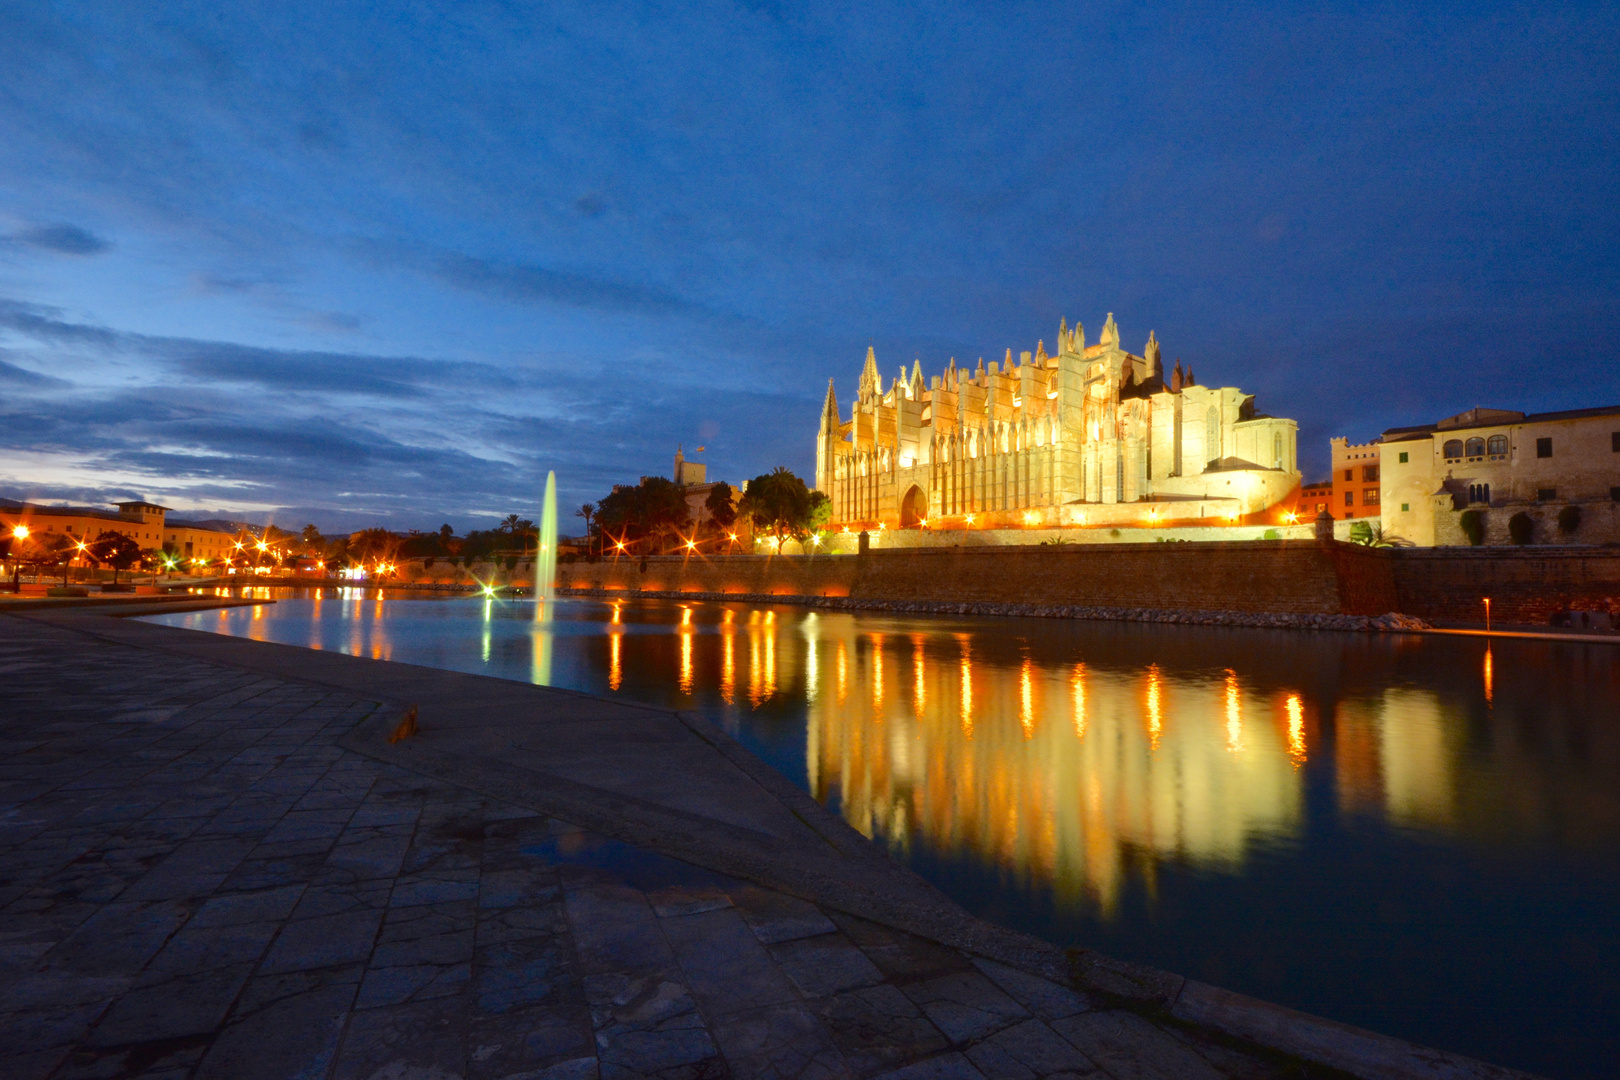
(913, 508)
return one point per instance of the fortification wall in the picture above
(1280, 577)
(1526, 585)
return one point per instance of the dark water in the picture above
(1420, 835)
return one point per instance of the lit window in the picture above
(1369, 497)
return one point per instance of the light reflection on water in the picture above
(1353, 825)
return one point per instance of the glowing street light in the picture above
(691, 545)
(20, 532)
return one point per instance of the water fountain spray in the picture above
(545, 561)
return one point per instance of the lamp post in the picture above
(19, 533)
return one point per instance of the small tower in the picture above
(827, 441)
(1110, 334)
(871, 382)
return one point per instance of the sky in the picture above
(361, 264)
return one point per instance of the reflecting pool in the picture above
(1417, 834)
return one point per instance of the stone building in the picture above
(1500, 463)
(1356, 485)
(1091, 435)
(145, 523)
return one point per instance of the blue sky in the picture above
(359, 264)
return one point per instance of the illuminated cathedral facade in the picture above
(1089, 435)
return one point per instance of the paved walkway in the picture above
(211, 871)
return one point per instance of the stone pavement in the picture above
(200, 877)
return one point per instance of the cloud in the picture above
(12, 375)
(62, 238)
(518, 282)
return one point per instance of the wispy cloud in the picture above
(60, 238)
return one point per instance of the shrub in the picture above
(427, 563)
(1569, 519)
(1521, 527)
(1271, 534)
(1473, 526)
(511, 562)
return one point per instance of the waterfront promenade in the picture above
(213, 863)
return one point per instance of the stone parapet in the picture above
(1278, 577)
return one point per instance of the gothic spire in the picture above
(870, 382)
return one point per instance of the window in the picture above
(1476, 447)
(1369, 474)
(1614, 441)
(1479, 493)
(1453, 449)
(1349, 474)
(1276, 450)
(1405, 507)
(1349, 498)
(1543, 448)
(1212, 434)
(1497, 447)
(1403, 457)
(1369, 497)
(1546, 494)
(1614, 494)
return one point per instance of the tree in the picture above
(643, 514)
(375, 545)
(1370, 534)
(312, 538)
(779, 503)
(1473, 526)
(1569, 520)
(509, 524)
(1521, 527)
(722, 511)
(446, 534)
(116, 550)
(588, 512)
(48, 550)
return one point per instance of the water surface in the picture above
(1416, 834)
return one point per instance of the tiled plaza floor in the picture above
(196, 881)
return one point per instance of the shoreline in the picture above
(747, 822)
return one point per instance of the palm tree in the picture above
(508, 524)
(588, 512)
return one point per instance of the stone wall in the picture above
(1283, 577)
(1526, 585)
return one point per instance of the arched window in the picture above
(1454, 449)
(1497, 446)
(1212, 434)
(1476, 447)
(1276, 451)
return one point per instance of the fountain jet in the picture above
(545, 560)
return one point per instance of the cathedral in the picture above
(1091, 435)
